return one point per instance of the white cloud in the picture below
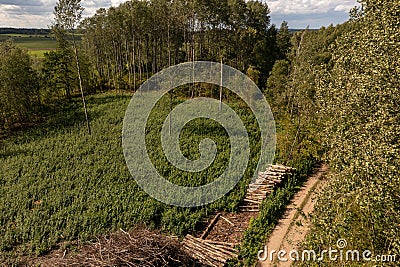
(345, 8)
(116, 2)
(313, 13)
(25, 20)
(5, 7)
(309, 6)
(38, 13)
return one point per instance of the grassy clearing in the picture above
(59, 184)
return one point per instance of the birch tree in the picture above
(68, 14)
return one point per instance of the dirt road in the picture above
(292, 228)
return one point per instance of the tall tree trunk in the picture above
(81, 84)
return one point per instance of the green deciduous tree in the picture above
(68, 14)
(129, 43)
(58, 74)
(360, 100)
(19, 86)
(283, 40)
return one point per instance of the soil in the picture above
(232, 231)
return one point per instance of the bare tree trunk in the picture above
(81, 84)
(220, 88)
(292, 91)
(134, 62)
(169, 46)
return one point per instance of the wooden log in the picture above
(227, 248)
(257, 194)
(248, 207)
(210, 226)
(220, 243)
(232, 250)
(217, 254)
(257, 185)
(227, 251)
(255, 200)
(251, 210)
(271, 173)
(198, 255)
(206, 252)
(260, 188)
(252, 201)
(279, 166)
(260, 179)
(222, 249)
(266, 185)
(282, 167)
(260, 195)
(228, 221)
(277, 170)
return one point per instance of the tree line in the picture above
(120, 47)
(127, 44)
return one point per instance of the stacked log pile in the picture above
(212, 253)
(216, 253)
(263, 186)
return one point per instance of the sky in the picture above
(298, 13)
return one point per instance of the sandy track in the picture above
(292, 228)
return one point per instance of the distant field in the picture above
(36, 45)
(32, 42)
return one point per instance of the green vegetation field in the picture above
(36, 45)
(31, 41)
(59, 184)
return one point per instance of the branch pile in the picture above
(139, 247)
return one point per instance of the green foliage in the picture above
(80, 187)
(359, 98)
(58, 74)
(68, 14)
(276, 88)
(31, 42)
(19, 86)
(126, 44)
(291, 90)
(283, 40)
